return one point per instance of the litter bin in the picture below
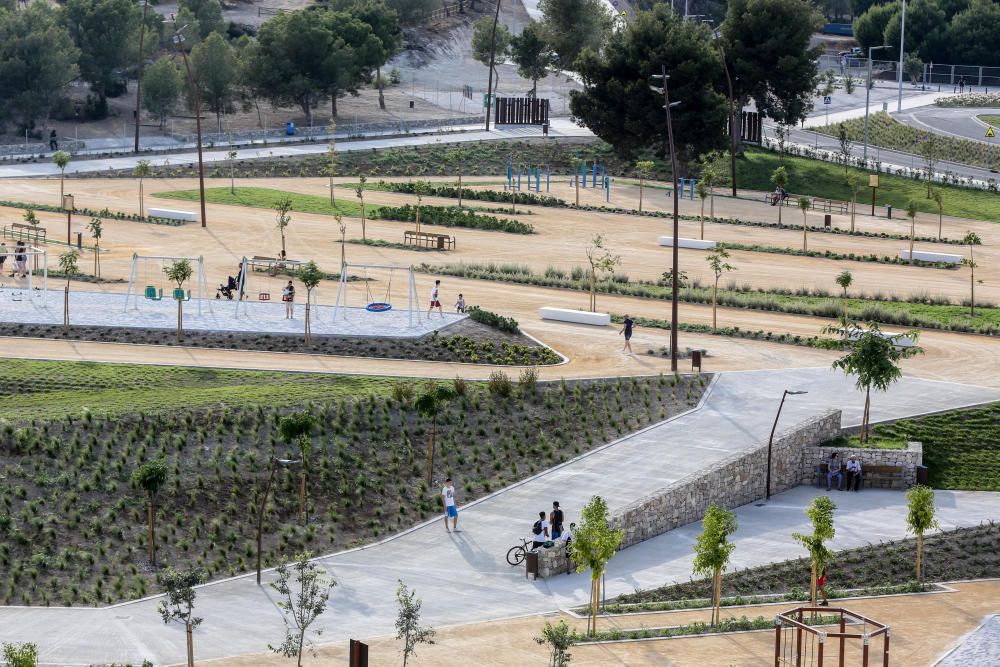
(827, 220)
(545, 129)
(531, 564)
(888, 211)
(922, 475)
(290, 128)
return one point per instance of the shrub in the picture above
(452, 216)
(499, 384)
(490, 319)
(528, 381)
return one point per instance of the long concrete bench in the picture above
(171, 214)
(575, 316)
(925, 256)
(898, 339)
(697, 244)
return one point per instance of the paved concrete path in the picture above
(464, 577)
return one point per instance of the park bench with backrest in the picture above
(872, 476)
(829, 205)
(22, 232)
(428, 240)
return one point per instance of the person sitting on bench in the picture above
(853, 473)
(833, 470)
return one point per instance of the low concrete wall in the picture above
(575, 316)
(697, 244)
(734, 481)
(927, 256)
(908, 459)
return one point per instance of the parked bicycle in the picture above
(515, 556)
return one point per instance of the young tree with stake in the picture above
(972, 239)
(231, 156)
(717, 262)
(429, 404)
(702, 195)
(846, 146)
(96, 229)
(179, 605)
(331, 158)
(420, 188)
(302, 601)
(141, 171)
(938, 196)
(852, 182)
(713, 550)
(576, 163)
(283, 206)
(804, 206)
(929, 150)
(780, 179)
(920, 519)
(820, 513)
(150, 477)
(559, 638)
(644, 168)
(359, 192)
(457, 158)
(179, 272)
(844, 279)
(601, 260)
(61, 159)
(911, 213)
(408, 626)
(594, 543)
(310, 276)
(295, 430)
(342, 228)
(68, 265)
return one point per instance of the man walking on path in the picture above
(436, 299)
(627, 330)
(450, 510)
(540, 531)
(556, 520)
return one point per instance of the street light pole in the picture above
(179, 40)
(868, 91)
(263, 504)
(902, 41)
(770, 441)
(493, 49)
(138, 75)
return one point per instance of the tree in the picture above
(874, 359)
(38, 61)
(150, 477)
(913, 67)
(594, 543)
(161, 87)
(141, 171)
(804, 205)
(768, 52)
(532, 54)
(869, 26)
(310, 276)
(457, 158)
(844, 279)
(601, 260)
(208, 14)
(576, 162)
(971, 239)
(106, 32)
(384, 23)
(780, 179)
(61, 159)
(343, 240)
(179, 605)
(911, 213)
(938, 196)
(179, 272)
(702, 195)
(717, 263)
(31, 218)
(355, 52)
(213, 63)
(617, 104)
(482, 41)
(559, 638)
(408, 626)
(420, 188)
(96, 229)
(713, 550)
(973, 33)
(231, 157)
(853, 182)
(931, 154)
(283, 206)
(846, 145)
(820, 513)
(645, 168)
(571, 26)
(20, 655)
(359, 192)
(712, 167)
(429, 404)
(920, 519)
(68, 265)
(303, 602)
(295, 430)
(331, 158)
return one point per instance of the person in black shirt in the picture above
(556, 520)
(627, 330)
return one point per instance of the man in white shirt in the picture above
(436, 299)
(540, 531)
(450, 510)
(853, 473)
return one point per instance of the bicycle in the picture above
(515, 555)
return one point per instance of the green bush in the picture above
(505, 324)
(453, 216)
(480, 195)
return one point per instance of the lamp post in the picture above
(732, 115)
(902, 41)
(667, 105)
(770, 441)
(493, 49)
(263, 503)
(868, 91)
(138, 75)
(67, 203)
(179, 40)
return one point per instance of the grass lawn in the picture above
(961, 447)
(824, 179)
(266, 198)
(990, 119)
(874, 442)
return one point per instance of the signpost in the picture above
(827, 101)
(873, 184)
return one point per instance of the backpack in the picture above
(537, 528)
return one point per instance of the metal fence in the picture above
(933, 76)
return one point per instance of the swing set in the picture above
(371, 303)
(31, 255)
(153, 282)
(270, 267)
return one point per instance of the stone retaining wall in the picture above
(734, 481)
(908, 459)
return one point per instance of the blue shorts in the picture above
(452, 511)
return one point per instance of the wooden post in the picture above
(190, 645)
(843, 627)
(864, 652)
(885, 648)
(798, 642)
(819, 650)
(777, 643)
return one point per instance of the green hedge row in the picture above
(505, 324)
(453, 216)
(451, 191)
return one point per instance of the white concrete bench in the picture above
(171, 214)
(898, 339)
(687, 243)
(925, 256)
(575, 316)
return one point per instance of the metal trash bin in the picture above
(290, 128)
(531, 564)
(888, 211)
(828, 221)
(545, 129)
(922, 475)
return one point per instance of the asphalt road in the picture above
(958, 122)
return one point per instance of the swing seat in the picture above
(181, 295)
(378, 307)
(153, 294)
(264, 296)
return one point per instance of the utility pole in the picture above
(138, 75)
(902, 41)
(868, 91)
(179, 40)
(673, 168)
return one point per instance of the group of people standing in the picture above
(551, 528)
(19, 261)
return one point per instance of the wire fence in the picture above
(940, 77)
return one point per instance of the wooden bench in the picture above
(171, 214)
(428, 240)
(884, 476)
(828, 205)
(22, 232)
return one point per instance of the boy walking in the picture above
(450, 510)
(435, 299)
(627, 330)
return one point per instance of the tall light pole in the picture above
(179, 40)
(138, 75)
(263, 503)
(868, 91)
(902, 41)
(732, 114)
(493, 50)
(770, 441)
(673, 168)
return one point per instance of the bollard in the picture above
(607, 189)
(548, 175)
(888, 210)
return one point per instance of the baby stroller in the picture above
(228, 289)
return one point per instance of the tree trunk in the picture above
(378, 84)
(593, 295)
(66, 306)
(715, 292)
(640, 195)
(180, 318)
(920, 549)
(190, 644)
(333, 105)
(913, 231)
(972, 291)
(302, 494)
(332, 200)
(308, 109)
(306, 331)
(218, 120)
(940, 222)
(711, 202)
(141, 206)
(812, 585)
(302, 637)
(363, 237)
(256, 104)
(418, 216)
(577, 180)
(780, 206)
(151, 547)
(854, 204)
(460, 186)
(430, 455)
(805, 233)
(592, 623)
(701, 219)
(864, 418)
(534, 88)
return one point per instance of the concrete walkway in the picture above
(463, 577)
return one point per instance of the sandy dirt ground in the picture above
(915, 641)
(563, 235)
